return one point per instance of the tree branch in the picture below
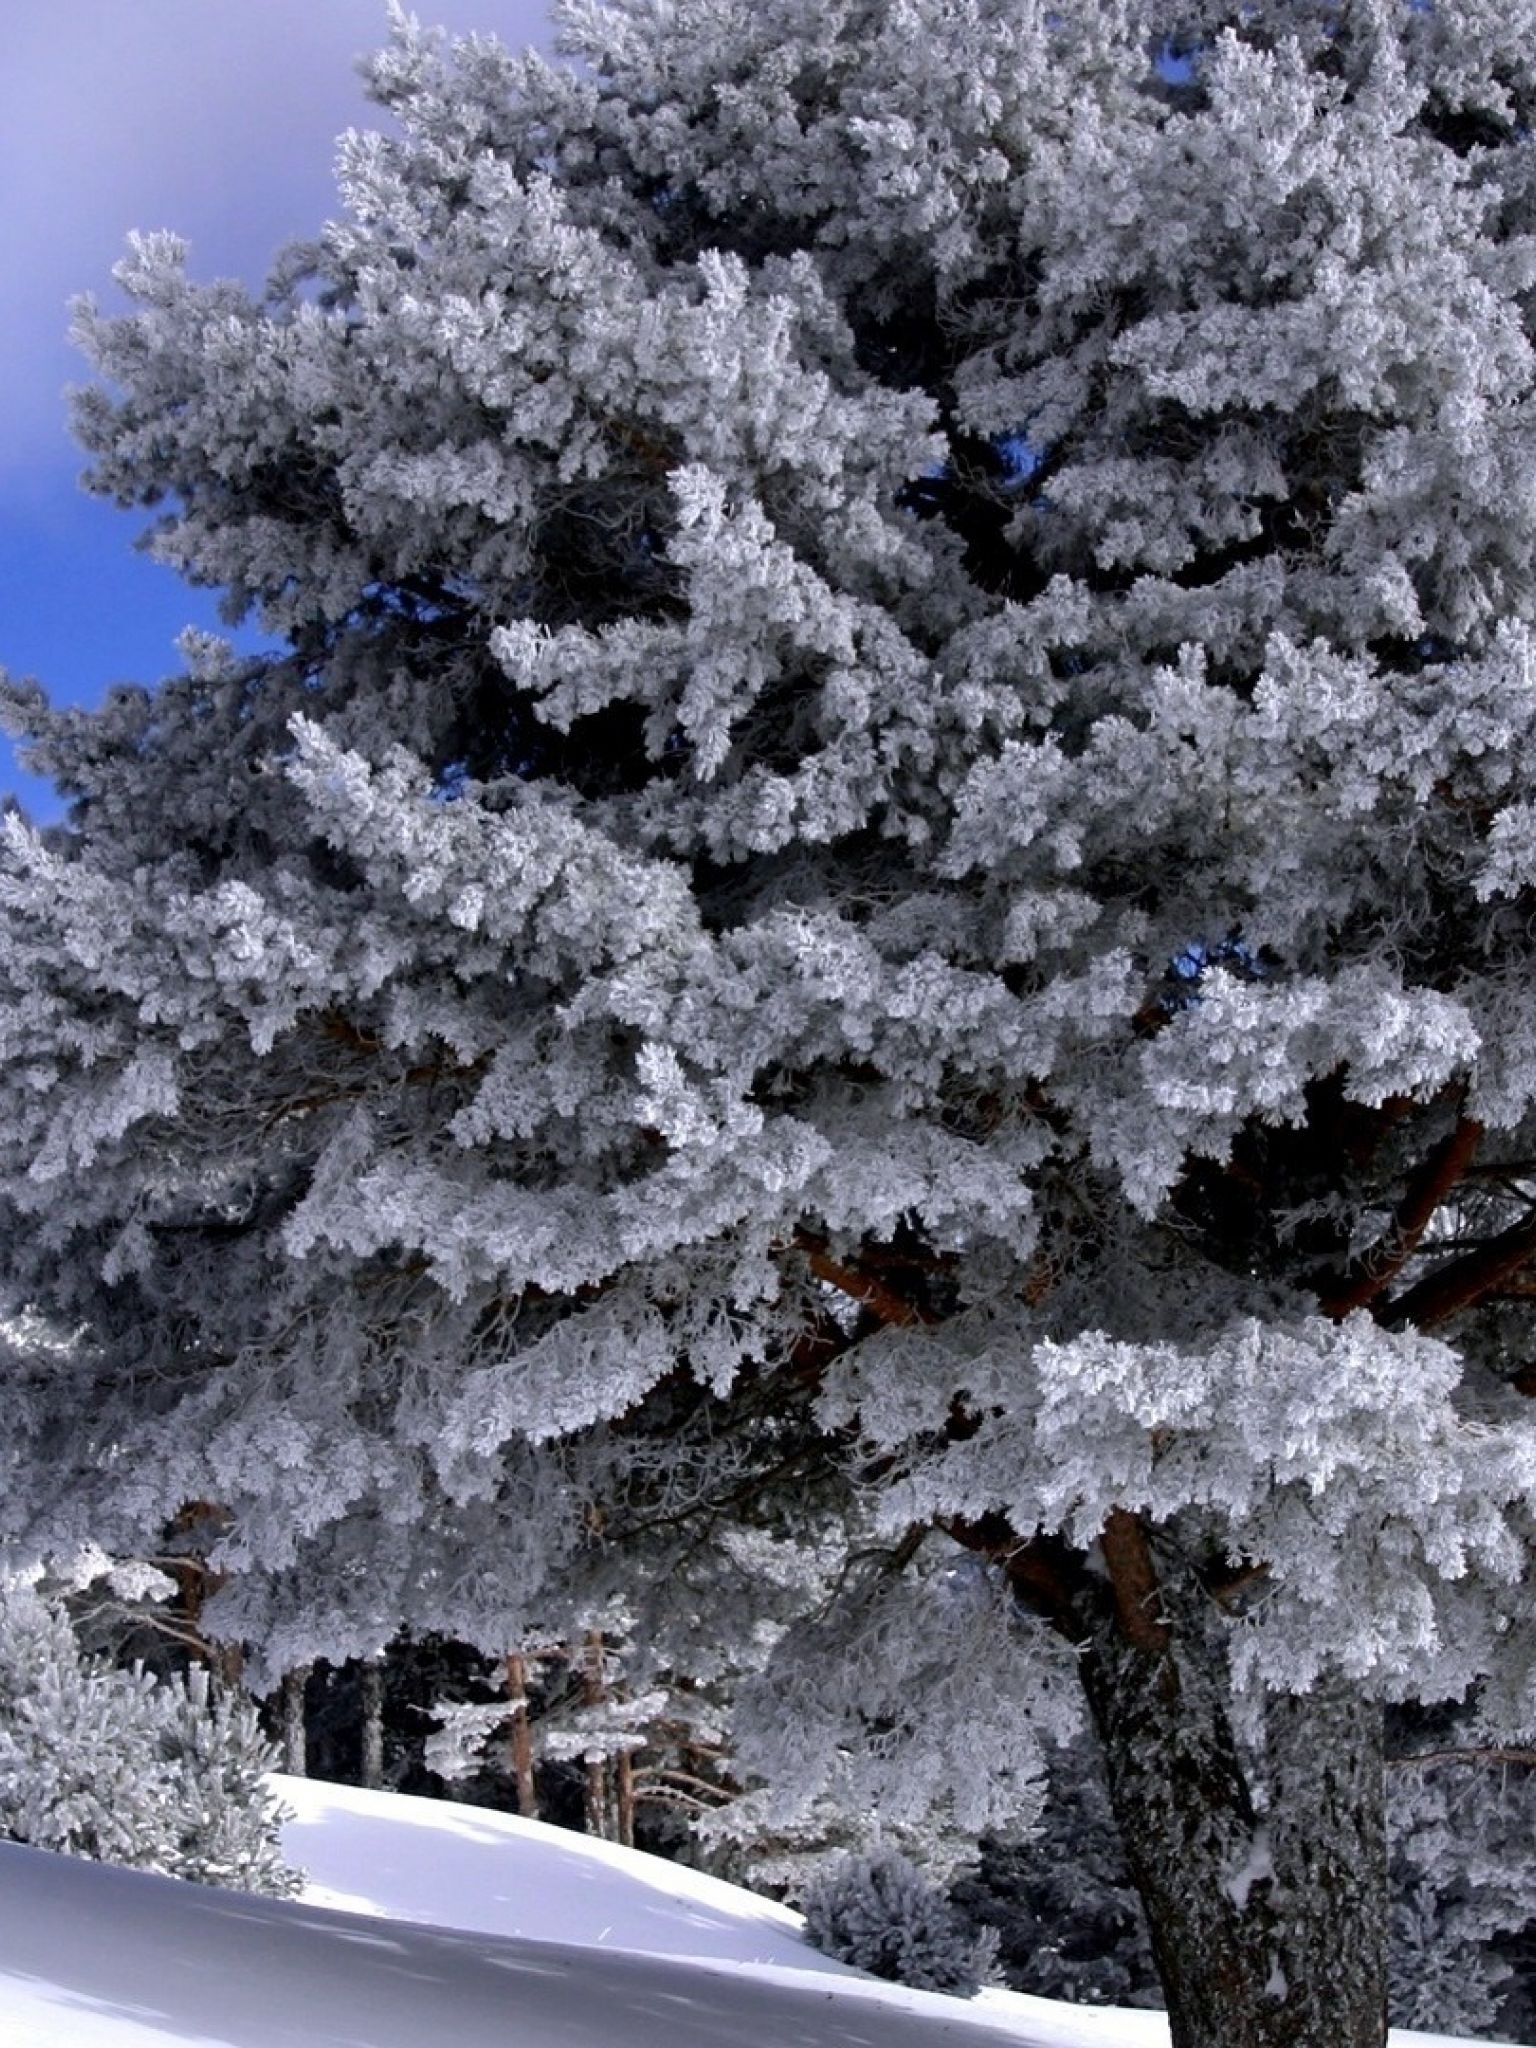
(1463, 1282)
(1133, 1582)
(1437, 1174)
(882, 1301)
(1229, 1587)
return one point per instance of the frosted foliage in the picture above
(101, 1762)
(881, 1914)
(462, 1734)
(1439, 1981)
(75, 1744)
(845, 1716)
(1332, 1452)
(213, 1744)
(877, 898)
(1061, 1901)
(469, 1734)
(1463, 1886)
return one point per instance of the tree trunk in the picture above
(594, 1818)
(294, 1745)
(520, 1743)
(372, 1682)
(1263, 1875)
(624, 1798)
(594, 1686)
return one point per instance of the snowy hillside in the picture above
(425, 1921)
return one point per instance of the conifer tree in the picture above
(877, 906)
(881, 1914)
(79, 1744)
(112, 1764)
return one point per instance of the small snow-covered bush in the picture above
(879, 1913)
(225, 1819)
(115, 1765)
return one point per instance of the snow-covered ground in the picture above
(425, 1922)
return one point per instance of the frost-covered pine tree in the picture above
(79, 1744)
(881, 1914)
(112, 1764)
(225, 1818)
(878, 901)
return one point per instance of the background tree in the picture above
(881, 901)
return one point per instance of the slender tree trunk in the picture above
(593, 1687)
(294, 1745)
(372, 1681)
(624, 1797)
(595, 1807)
(520, 1743)
(1263, 1876)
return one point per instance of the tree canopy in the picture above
(879, 904)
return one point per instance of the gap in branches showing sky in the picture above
(215, 118)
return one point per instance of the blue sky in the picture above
(217, 118)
